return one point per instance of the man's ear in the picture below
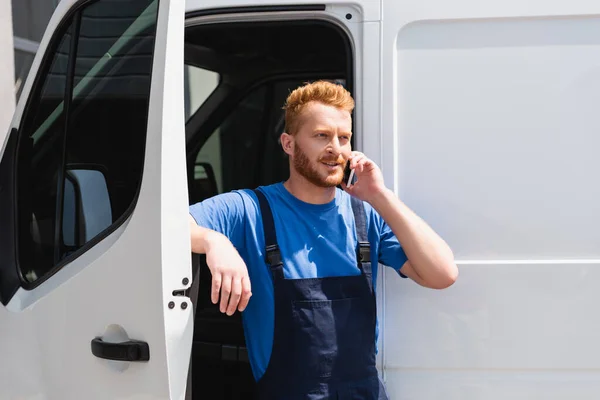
(287, 143)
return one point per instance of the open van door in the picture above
(95, 254)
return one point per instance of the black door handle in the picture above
(132, 350)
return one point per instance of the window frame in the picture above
(198, 133)
(32, 99)
(25, 45)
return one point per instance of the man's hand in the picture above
(229, 275)
(230, 279)
(430, 260)
(369, 179)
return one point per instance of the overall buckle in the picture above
(364, 252)
(273, 255)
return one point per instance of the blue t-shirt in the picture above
(315, 240)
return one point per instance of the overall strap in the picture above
(272, 253)
(363, 252)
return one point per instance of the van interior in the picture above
(237, 77)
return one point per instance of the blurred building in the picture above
(7, 82)
(28, 20)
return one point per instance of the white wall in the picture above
(7, 70)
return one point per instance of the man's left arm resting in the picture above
(430, 260)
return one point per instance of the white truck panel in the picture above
(490, 110)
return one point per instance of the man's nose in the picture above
(334, 146)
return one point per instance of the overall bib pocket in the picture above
(328, 333)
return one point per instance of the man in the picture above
(310, 251)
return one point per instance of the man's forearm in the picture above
(429, 255)
(201, 238)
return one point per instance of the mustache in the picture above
(339, 160)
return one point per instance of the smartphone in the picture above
(348, 174)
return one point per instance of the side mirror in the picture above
(86, 208)
(204, 184)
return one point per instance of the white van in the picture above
(482, 114)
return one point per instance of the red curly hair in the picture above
(324, 92)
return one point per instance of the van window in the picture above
(82, 140)
(199, 83)
(37, 181)
(239, 130)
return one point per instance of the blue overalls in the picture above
(324, 339)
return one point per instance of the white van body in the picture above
(482, 116)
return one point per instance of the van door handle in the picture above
(132, 350)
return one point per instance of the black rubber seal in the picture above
(255, 9)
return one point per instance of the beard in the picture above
(310, 171)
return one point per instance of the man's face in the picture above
(322, 144)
